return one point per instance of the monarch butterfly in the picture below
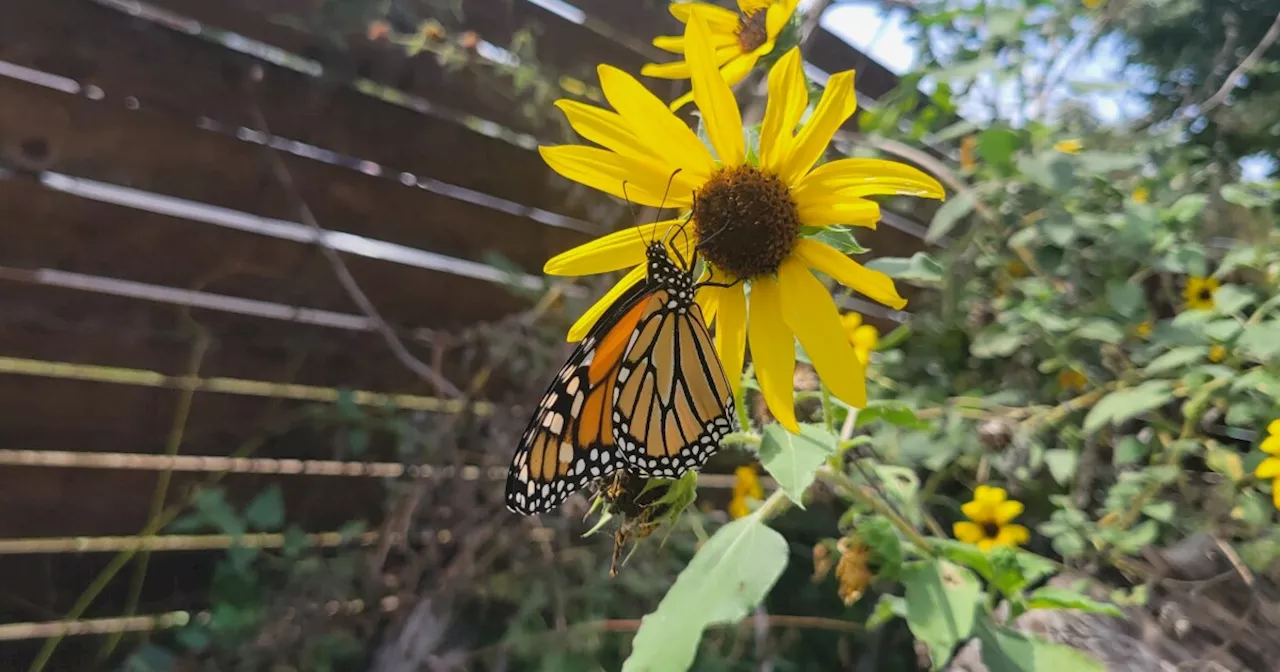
(644, 392)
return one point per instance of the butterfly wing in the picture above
(569, 440)
(672, 400)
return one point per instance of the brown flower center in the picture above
(746, 222)
(990, 530)
(752, 30)
(1206, 295)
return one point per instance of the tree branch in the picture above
(1232, 81)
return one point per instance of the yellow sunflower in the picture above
(1218, 353)
(1199, 292)
(1270, 467)
(1143, 330)
(746, 217)
(1071, 146)
(738, 39)
(745, 486)
(863, 337)
(990, 517)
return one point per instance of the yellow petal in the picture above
(833, 110)
(736, 70)
(713, 96)
(675, 43)
(838, 210)
(1012, 535)
(788, 97)
(731, 332)
(605, 128)
(1271, 445)
(865, 337)
(989, 495)
(1273, 428)
(750, 7)
(1268, 468)
(969, 533)
(588, 320)
(851, 321)
(618, 250)
(1275, 493)
(708, 300)
(720, 20)
(976, 511)
(681, 102)
(1007, 511)
(875, 285)
(680, 69)
(646, 182)
(811, 314)
(773, 350)
(655, 125)
(867, 177)
(779, 13)
(985, 545)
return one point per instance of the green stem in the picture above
(873, 503)
(827, 409)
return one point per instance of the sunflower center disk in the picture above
(1206, 295)
(752, 31)
(746, 222)
(990, 530)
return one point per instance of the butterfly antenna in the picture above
(667, 192)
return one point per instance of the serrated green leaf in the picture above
(942, 601)
(1124, 404)
(955, 209)
(726, 579)
(1005, 650)
(838, 236)
(920, 268)
(794, 459)
(1177, 358)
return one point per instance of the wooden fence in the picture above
(136, 191)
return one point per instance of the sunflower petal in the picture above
(837, 103)
(1275, 493)
(969, 533)
(653, 123)
(773, 350)
(1268, 468)
(675, 43)
(838, 210)
(809, 311)
(976, 511)
(737, 69)
(1012, 535)
(605, 128)
(788, 97)
(989, 495)
(985, 545)
(1273, 427)
(681, 102)
(731, 332)
(868, 177)
(779, 13)
(749, 7)
(1007, 510)
(708, 300)
(618, 250)
(588, 320)
(1271, 445)
(874, 284)
(680, 69)
(646, 182)
(720, 20)
(713, 96)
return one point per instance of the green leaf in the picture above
(1062, 464)
(952, 132)
(1107, 162)
(893, 412)
(266, 511)
(1244, 196)
(726, 579)
(1126, 298)
(995, 341)
(996, 145)
(942, 600)
(950, 214)
(1177, 358)
(964, 554)
(882, 538)
(1188, 207)
(1124, 404)
(1099, 329)
(1006, 572)
(1128, 451)
(920, 268)
(1231, 299)
(1050, 170)
(886, 609)
(1261, 340)
(213, 507)
(1006, 650)
(838, 236)
(794, 459)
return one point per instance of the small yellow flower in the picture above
(737, 39)
(1143, 330)
(1071, 146)
(1017, 269)
(749, 211)
(573, 85)
(1199, 292)
(968, 152)
(1217, 353)
(1270, 467)
(746, 486)
(1071, 380)
(1141, 195)
(990, 515)
(1094, 4)
(863, 337)
(853, 571)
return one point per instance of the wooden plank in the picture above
(188, 78)
(141, 149)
